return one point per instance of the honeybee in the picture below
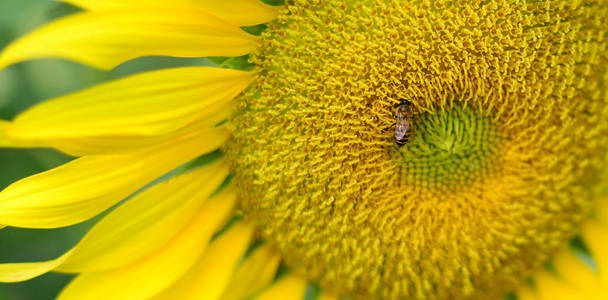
(404, 128)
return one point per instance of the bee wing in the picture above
(401, 129)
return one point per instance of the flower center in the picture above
(451, 151)
(507, 102)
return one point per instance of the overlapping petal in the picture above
(113, 144)
(289, 287)
(150, 103)
(86, 186)
(594, 234)
(107, 38)
(150, 275)
(130, 132)
(14, 272)
(572, 277)
(7, 141)
(135, 229)
(133, 112)
(574, 273)
(147, 221)
(210, 275)
(240, 12)
(253, 275)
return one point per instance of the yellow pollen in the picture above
(509, 103)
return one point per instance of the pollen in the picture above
(508, 100)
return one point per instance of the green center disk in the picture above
(449, 151)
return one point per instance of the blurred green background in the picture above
(21, 86)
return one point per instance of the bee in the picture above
(404, 128)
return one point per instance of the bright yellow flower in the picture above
(504, 168)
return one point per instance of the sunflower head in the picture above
(507, 101)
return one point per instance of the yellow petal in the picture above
(105, 39)
(550, 287)
(113, 144)
(147, 277)
(146, 222)
(15, 272)
(135, 229)
(86, 186)
(594, 233)
(575, 272)
(289, 287)
(7, 141)
(133, 112)
(210, 275)
(240, 12)
(146, 104)
(527, 293)
(253, 275)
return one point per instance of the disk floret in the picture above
(508, 100)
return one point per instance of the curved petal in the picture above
(86, 186)
(113, 144)
(150, 103)
(105, 39)
(550, 287)
(146, 222)
(147, 277)
(15, 272)
(6, 141)
(239, 12)
(210, 275)
(574, 272)
(575, 279)
(289, 287)
(132, 112)
(135, 229)
(254, 274)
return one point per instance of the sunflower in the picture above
(282, 163)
